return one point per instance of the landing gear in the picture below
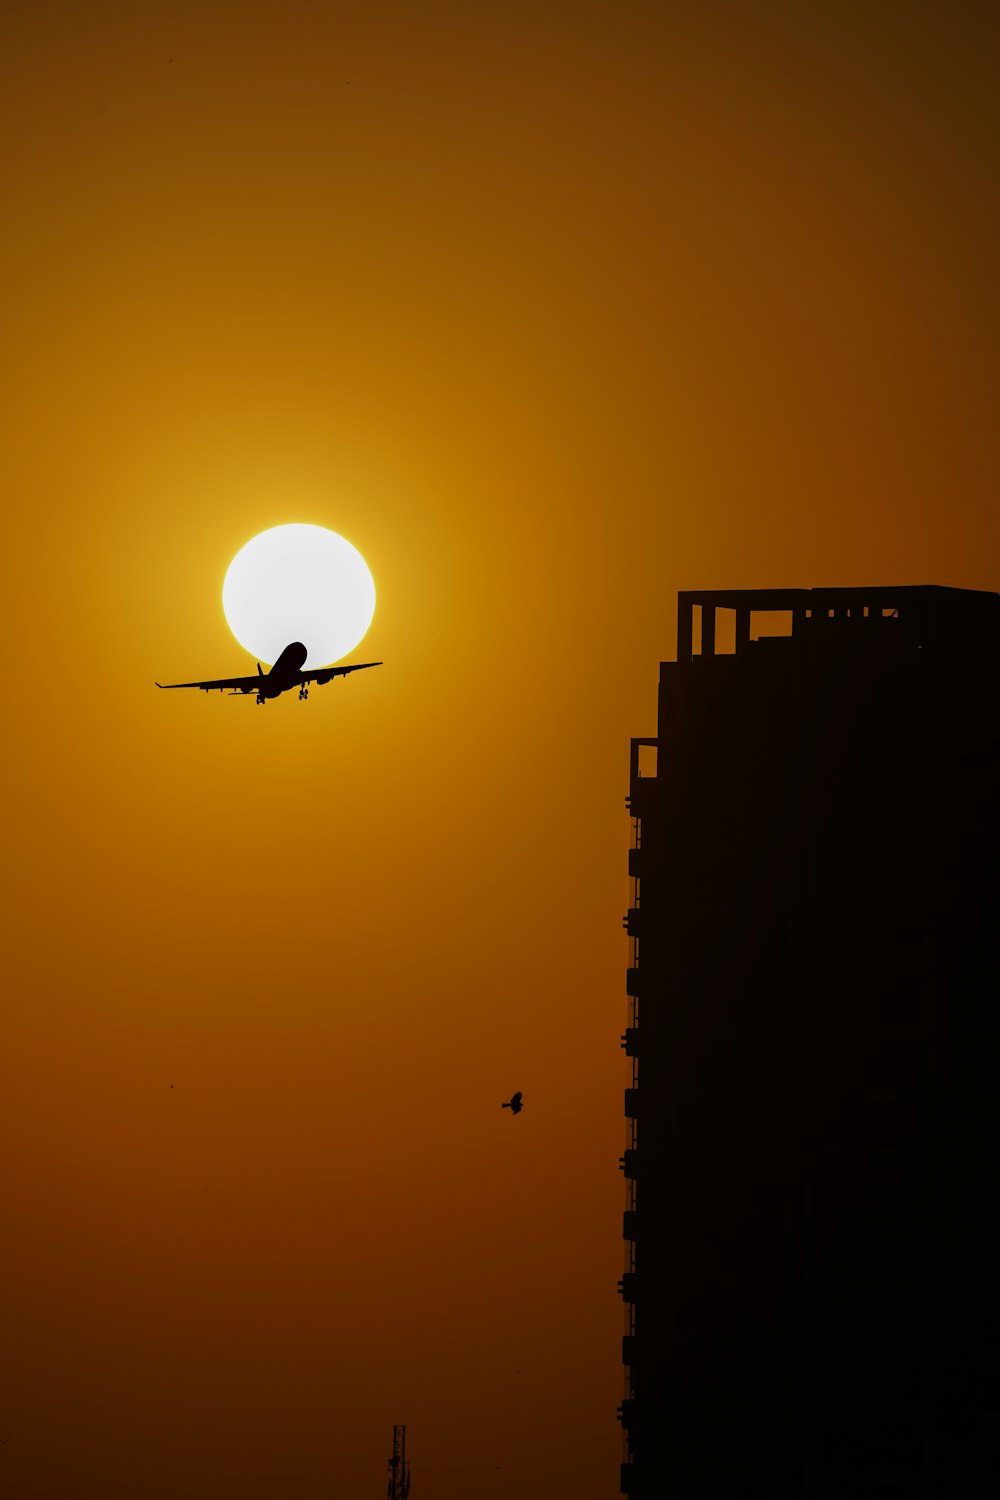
(260, 700)
(303, 693)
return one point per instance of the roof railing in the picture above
(924, 607)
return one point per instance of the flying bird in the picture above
(513, 1103)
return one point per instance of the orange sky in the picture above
(552, 311)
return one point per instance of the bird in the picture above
(513, 1103)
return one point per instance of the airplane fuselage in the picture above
(285, 674)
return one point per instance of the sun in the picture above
(299, 583)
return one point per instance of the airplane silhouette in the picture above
(514, 1103)
(284, 675)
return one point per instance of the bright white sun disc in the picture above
(299, 583)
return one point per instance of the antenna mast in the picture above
(399, 1469)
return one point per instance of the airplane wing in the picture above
(220, 685)
(325, 674)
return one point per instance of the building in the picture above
(812, 1282)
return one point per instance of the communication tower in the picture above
(399, 1468)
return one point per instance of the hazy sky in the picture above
(551, 310)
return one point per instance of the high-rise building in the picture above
(812, 1281)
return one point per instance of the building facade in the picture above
(812, 1272)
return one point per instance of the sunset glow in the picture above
(552, 311)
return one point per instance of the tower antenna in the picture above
(399, 1468)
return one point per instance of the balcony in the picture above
(632, 922)
(642, 781)
(630, 1224)
(628, 1286)
(632, 982)
(631, 1104)
(629, 1163)
(630, 1041)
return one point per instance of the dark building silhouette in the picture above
(812, 1280)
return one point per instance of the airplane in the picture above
(284, 675)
